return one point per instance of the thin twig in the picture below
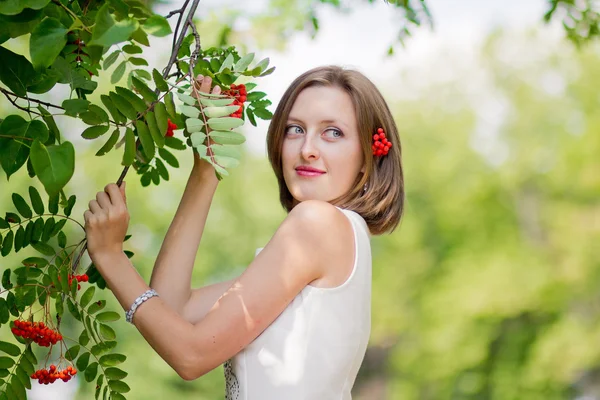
(30, 99)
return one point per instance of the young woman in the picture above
(296, 323)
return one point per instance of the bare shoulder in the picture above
(329, 234)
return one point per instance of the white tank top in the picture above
(315, 347)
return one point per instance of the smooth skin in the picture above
(195, 331)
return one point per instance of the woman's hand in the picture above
(203, 84)
(106, 221)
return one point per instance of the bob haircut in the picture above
(382, 204)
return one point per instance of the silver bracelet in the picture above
(145, 296)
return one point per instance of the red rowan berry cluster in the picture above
(36, 331)
(239, 92)
(51, 374)
(381, 145)
(170, 128)
(79, 278)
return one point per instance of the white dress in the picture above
(315, 347)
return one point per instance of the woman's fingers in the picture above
(205, 86)
(94, 207)
(217, 89)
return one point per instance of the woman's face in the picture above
(321, 134)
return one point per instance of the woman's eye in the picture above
(294, 129)
(335, 133)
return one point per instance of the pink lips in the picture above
(309, 171)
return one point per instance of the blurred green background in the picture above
(489, 287)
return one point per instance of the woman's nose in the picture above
(309, 148)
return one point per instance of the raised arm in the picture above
(172, 273)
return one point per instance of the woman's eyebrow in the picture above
(324, 121)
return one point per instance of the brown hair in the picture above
(383, 202)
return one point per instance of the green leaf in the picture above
(255, 96)
(107, 31)
(216, 102)
(97, 306)
(175, 143)
(193, 125)
(227, 137)
(44, 248)
(73, 107)
(12, 350)
(6, 362)
(95, 115)
(110, 360)
(217, 112)
(16, 72)
(6, 284)
(38, 229)
(169, 104)
(228, 63)
(263, 113)
(13, 154)
(220, 170)
(190, 111)
(157, 25)
(72, 352)
(117, 116)
(84, 339)
(4, 316)
(82, 361)
(145, 139)
(129, 153)
(243, 62)
(62, 239)
(71, 306)
(59, 225)
(107, 332)
(197, 138)
(19, 237)
(138, 104)
(87, 296)
(48, 227)
(189, 100)
(46, 42)
(168, 157)
(123, 106)
(226, 162)
(110, 143)
(94, 132)
(115, 373)
(160, 113)
(23, 377)
(144, 90)
(110, 60)
(159, 81)
(107, 316)
(54, 165)
(21, 205)
(7, 244)
(137, 61)
(263, 64)
(91, 371)
(118, 386)
(227, 151)
(36, 200)
(140, 36)
(268, 72)
(132, 49)
(118, 72)
(157, 136)
(221, 124)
